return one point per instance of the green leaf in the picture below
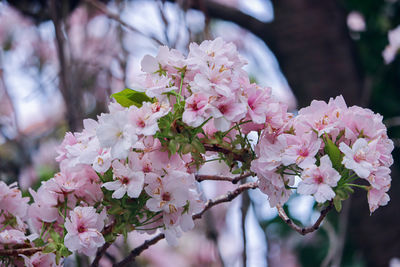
(55, 236)
(187, 148)
(129, 97)
(198, 146)
(334, 153)
(38, 242)
(337, 203)
(50, 248)
(172, 146)
(348, 189)
(237, 171)
(341, 194)
(64, 252)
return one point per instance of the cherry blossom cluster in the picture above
(134, 168)
(328, 145)
(214, 84)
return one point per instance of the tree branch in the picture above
(225, 12)
(225, 198)
(210, 203)
(103, 249)
(103, 8)
(235, 180)
(304, 230)
(100, 254)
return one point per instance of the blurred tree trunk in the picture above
(313, 47)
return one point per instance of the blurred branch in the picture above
(392, 122)
(161, 10)
(235, 180)
(71, 97)
(210, 203)
(343, 222)
(103, 8)
(244, 209)
(212, 234)
(333, 244)
(304, 230)
(224, 12)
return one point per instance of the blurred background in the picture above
(60, 60)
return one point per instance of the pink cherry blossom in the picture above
(301, 150)
(144, 120)
(84, 228)
(69, 140)
(167, 193)
(195, 110)
(358, 158)
(40, 259)
(391, 50)
(11, 200)
(115, 132)
(277, 194)
(126, 181)
(12, 236)
(257, 101)
(377, 197)
(319, 180)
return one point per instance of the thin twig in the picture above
(136, 252)
(226, 198)
(103, 8)
(304, 230)
(100, 254)
(235, 180)
(101, 251)
(210, 203)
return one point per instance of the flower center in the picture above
(359, 156)
(319, 179)
(166, 196)
(141, 123)
(124, 180)
(81, 229)
(303, 152)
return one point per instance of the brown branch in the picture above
(103, 8)
(210, 203)
(225, 12)
(103, 249)
(225, 198)
(100, 254)
(304, 230)
(16, 252)
(235, 180)
(136, 252)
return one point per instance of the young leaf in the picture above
(129, 97)
(334, 153)
(337, 202)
